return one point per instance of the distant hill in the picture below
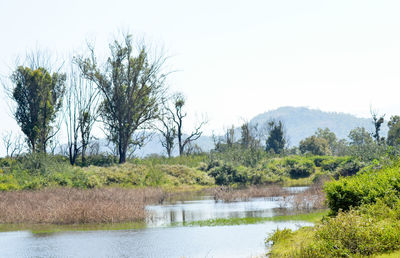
(300, 122)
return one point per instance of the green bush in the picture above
(299, 167)
(370, 230)
(364, 188)
(227, 174)
(332, 163)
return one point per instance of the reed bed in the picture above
(229, 194)
(76, 206)
(312, 198)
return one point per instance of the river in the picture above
(162, 237)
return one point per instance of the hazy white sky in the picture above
(235, 59)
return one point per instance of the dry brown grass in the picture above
(229, 194)
(73, 206)
(312, 198)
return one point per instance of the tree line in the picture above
(271, 138)
(126, 93)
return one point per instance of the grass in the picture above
(309, 217)
(52, 228)
(76, 206)
(286, 246)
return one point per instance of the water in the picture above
(159, 239)
(164, 215)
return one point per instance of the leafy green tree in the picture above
(276, 139)
(393, 138)
(315, 146)
(377, 121)
(38, 95)
(329, 136)
(132, 86)
(248, 136)
(359, 136)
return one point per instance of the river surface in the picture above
(160, 238)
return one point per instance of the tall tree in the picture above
(167, 128)
(177, 114)
(38, 95)
(80, 113)
(132, 86)
(249, 137)
(315, 146)
(360, 136)
(377, 121)
(393, 137)
(276, 140)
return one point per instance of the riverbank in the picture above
(364, 219)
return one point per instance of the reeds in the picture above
(229, 194)
(76, 206)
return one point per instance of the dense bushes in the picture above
(372, 229)
(37, 171)
(50, 171)
(363, 188)
(365, 219)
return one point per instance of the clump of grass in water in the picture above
(309, 217)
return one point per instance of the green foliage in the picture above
(276, 140)
(332, 163)
(131, 85)
(279, 235)
(359, 136)
(227, 174)
(363, 188)
(393, 138)
(299, 167)
(369, 230)
(38, 95)
(315, 146)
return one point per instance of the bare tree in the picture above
(80, 114)
(177, 115)
(14, 145)
(167, 128)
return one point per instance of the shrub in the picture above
(364, 188)
(332, 163)
(300, 167)
(357, 232)
(227, 174)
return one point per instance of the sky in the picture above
(231, 59)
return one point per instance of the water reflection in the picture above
(205, 209)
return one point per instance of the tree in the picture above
(132, 85)
(14, 145)
(167, 129)
(315, 146)
(249, 136)
(80, 113)
(276, 140)
(38, 95)
(177, 115)
(330, 137)
(377, 121)
(359, 136)
(393, 138)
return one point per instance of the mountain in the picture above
(301, 122)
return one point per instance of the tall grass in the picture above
(74, 206)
